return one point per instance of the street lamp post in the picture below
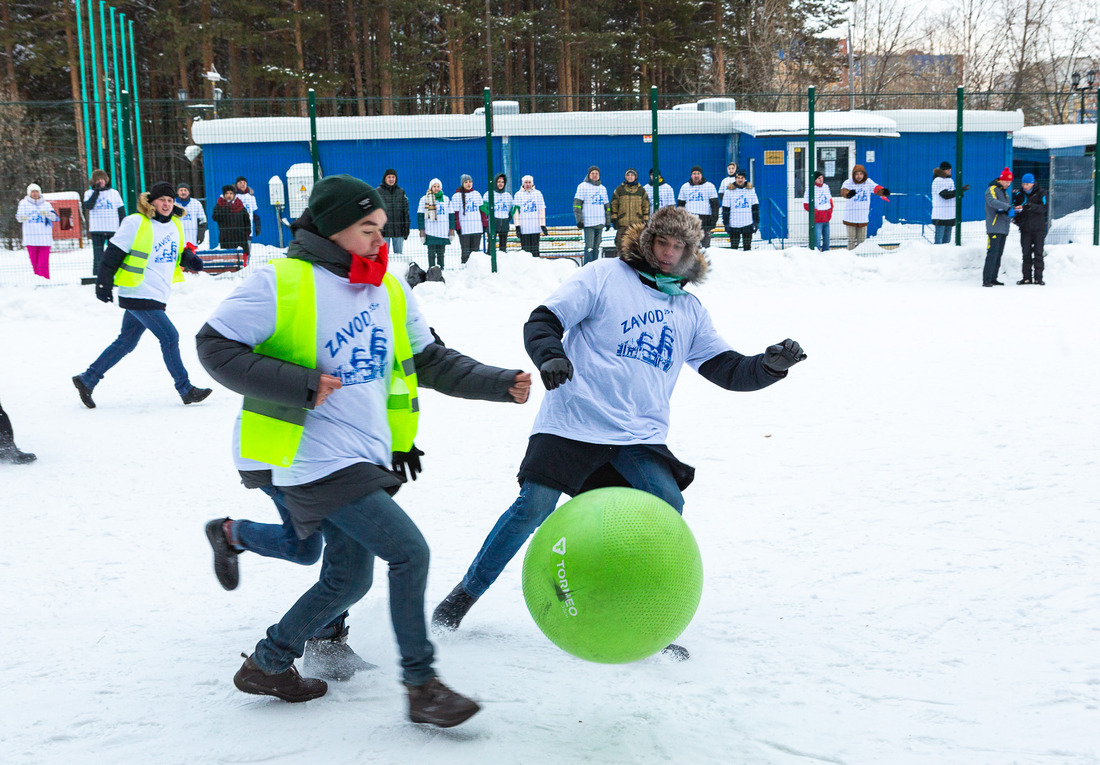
(1082, 84)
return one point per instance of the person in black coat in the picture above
(1031, 216)
(398, 224)
(234, 226)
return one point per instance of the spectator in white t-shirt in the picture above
(943, 202)
(105, 211)
(37, 216)
(858, 190)
(700, 197)
(530, 210)
(194, 217)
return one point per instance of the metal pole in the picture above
(313, 153)
(810, 165)
(959, 96)
(95, 86)
(83, 90)
(851, 72)
(127, 148)
(124, 173)
(137, 112)
(492, 185)
(488, 48)
(108, 93)
(655, 180)
(1096, 180)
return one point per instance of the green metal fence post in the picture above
(654, 180)
(127, 149)
(83, 90)
(1096, 179)
(810, 163)
(492, 185)
(108, 95)
(313, 153)
(123, 172)
(137, 112)
(959, 96)
(95, 86)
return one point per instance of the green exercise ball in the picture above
(613, 575)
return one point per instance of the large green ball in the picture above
(613, 575)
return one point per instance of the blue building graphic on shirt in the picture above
(657, 355)
(365, 365)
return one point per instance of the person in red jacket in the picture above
(823, 209)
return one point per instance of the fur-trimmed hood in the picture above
(636, 248)
(145, 207)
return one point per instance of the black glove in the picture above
(410, 459)
(543, 230)
(580, 225)
(105, 292)
(966, 187)
(201, 231)
(782, 356)
(556, 372)
(885, 192)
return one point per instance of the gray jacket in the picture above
(996, 209)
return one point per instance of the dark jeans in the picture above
(993, 251)
(1032, 244)
(738, 234)
(530, 243)
(99, 242)
(354, 535)
(134, 323)
(502, 234)
(593, 235)
(469, 243)
(640, 467)
(435, 255)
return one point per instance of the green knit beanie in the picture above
(339, 201)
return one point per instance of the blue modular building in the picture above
(898, 149)
(1062, 159)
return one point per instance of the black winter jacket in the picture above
(398, 223)
(1034, 215)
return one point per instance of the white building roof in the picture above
(760, 124)
(944, 120)
(1054, 136)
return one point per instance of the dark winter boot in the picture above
(1025, 280)
(675, 652)
(415, 275)
(195, 395)
(332, 658)
(288, 685)
(435, 274)
(448, 614)
(84, 391)
(225, 557)
(436, 704)
(1040, 282)
(10, 453)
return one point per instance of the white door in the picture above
(835, 159)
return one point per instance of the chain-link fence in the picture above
(895, 169)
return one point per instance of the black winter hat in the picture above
(818, 174)
(339, 201)
(499, 176)
(241, 178)
(696, 167)
(228, 187)
(183, 186)
(945, 165)
(161, 189)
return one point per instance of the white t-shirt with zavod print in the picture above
(161, 265)
(354, 344)
(627, 342)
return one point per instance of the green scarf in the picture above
(439, 196)
(670, 285)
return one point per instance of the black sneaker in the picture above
(288, 685)
(225, 557)
(10, 453)
(998, 284)
(1040, 282)
(436, 704)
(84, 391)
(332, 658)
(675, 652)
(195, 395)
(987, 284)
(415, 275)
(448, 614)
(1025, 280)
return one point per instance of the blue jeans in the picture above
(822, 233)
(396, 243)
(354, 534)
(943, 235)
(640, 467)
(593, 235)
(133, 324)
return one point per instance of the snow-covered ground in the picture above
(900, 540)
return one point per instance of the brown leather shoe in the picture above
(288, 685)
(438, 705)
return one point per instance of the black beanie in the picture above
(183, 186)
(945, 165)
(696, 167)
(339, 201)
(161, 189)
(389, 171)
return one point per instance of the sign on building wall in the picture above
(773, 158)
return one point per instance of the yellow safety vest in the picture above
(271, 432)
(132, 271)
